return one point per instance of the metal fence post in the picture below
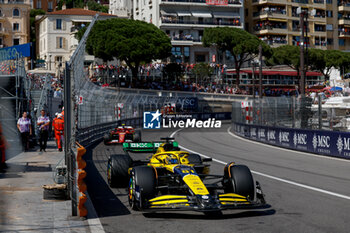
(69, 160)
(319, 112)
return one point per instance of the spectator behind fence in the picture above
(25, 128)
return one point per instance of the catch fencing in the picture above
(291, 112)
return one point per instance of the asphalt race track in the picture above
(307, 193)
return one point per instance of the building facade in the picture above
(14, 22)
(278, 23)
(46, 5)
(184, 22)
(56, 31)
(122, 8)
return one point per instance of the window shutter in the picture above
(63, 25)
(57, 42)
(54, 25)
(64, 43)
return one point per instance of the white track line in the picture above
(272, 177)
(285, 149)
(93, 220)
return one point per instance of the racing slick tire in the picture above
(117, 170)
(137, 136)
(142, 186)
(195, 159)
(106, 139)
(238, 179)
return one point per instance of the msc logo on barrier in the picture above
(151, 120)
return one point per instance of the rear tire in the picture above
(142, 186)
(117, 170)
(137, 136)
(240, 182)
(106, 139)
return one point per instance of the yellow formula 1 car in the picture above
(175, 179)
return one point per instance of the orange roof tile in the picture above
(77, 11)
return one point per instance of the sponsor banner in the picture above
(11, 53)
(336, 144)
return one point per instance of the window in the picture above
(0, 26)
(1, 12)
(329, 14)
(58, 24)
(329, 41)
(329, 1)
(38, 4)
(15, 27)
(60, 43)
(341, 42)
(50, 7)
(16, 41)
(15, 12)
(59, 61)
(329, 27)
(1, 45)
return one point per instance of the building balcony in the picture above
(319, 3)
(276, 43)
(230, 3)
(344, 7)
(344, 34)
(257, 2)
(343, 21)
(197, 23)
(318, 33)
(302, 1)
(27, 2)
(264, 14)
(270, 30)
(184, 40)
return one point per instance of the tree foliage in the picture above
(94, 6)
(286, 55)
(324, 60)
(242, 45)
(128, 40)
(70, 4)
(203, 70)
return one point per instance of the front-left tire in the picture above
(117, 170)
(142, 187)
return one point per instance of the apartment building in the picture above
(278, 23)
(122, 8)
(56, 31)
(14, 22)
(185, 20)
(46, 5)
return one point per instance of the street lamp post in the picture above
(304, 14)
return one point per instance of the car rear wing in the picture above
(144, 146)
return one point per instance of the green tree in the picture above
(286, 55)
(242, 45)
(324, 60)
(94, 6)
(70, 4)
(128, 40)
(202, 71)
